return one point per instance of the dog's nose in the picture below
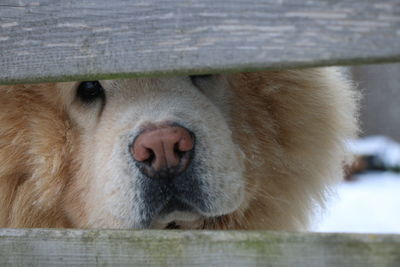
(163, 151)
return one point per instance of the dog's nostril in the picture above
(164, 151)
(150, 158)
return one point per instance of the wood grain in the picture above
(47, 40)
(41, 247)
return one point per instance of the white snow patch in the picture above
(383, 147)
(370, 204)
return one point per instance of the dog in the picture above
(257, 150)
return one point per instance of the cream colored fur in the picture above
(271, 144)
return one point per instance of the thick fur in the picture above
(270, 145)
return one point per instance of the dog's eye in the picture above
(196, 79)
(90, 91)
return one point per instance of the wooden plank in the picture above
(41, 247)
(46, 40)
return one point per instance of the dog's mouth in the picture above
(186, 202)
(183, 225)
(177, 215)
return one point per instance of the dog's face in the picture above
(152, 152)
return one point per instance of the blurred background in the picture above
(368, 199)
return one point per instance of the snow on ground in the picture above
(371, 204)
(386, 149)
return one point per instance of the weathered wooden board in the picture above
(46, 40)
(40, 247)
